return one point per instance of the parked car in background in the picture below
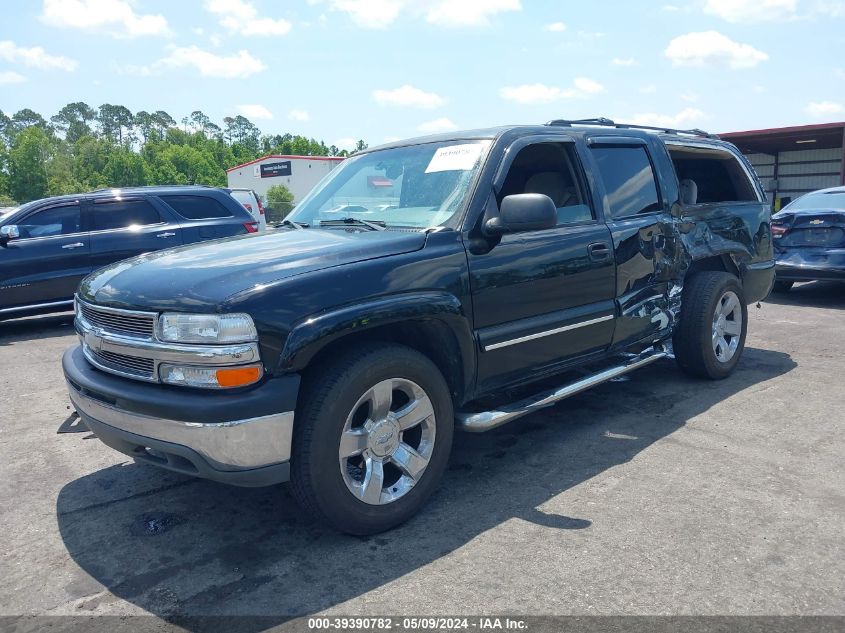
(48, 246)
(340, 351)
(252, 203)
(809, 238)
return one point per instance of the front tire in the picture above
(710, 336)
(372, 438)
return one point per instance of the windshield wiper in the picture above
(375, 225)
(296, 225)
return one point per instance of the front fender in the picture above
(313, 333)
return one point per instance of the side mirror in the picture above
(523, 212)
(9, 232)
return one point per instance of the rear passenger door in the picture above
(125, 227)
(641, 227)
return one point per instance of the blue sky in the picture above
(340, 70)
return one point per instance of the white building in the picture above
(298, 173)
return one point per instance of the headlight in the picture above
(206, 328)
(210, 377)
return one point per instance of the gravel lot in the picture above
(656, 494)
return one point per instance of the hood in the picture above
(202, 276)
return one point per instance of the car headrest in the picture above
(552, 184)
(689, 191)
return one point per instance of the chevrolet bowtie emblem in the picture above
(816, 221)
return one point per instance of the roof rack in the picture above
(601, 121)
(135, 187)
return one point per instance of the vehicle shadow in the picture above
(182, 548)
(816, 294)
(36, 327)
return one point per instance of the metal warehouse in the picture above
(792, 161)
(298, 173)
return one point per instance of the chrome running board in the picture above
(486, 420)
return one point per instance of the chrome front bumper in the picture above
(235, 445)
(197, 434)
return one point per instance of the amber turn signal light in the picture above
(238, 376)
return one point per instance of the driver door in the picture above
(543, 298)
(49, 259)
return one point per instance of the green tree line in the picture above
(82, 148)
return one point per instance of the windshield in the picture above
(819, 200)
(418, 186)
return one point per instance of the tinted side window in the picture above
(119, 214)
(64, 220)
(197, 207)
(628, 179)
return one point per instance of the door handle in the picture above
(599, 251)
(74, 245)
(166, 234)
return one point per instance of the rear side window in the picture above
(628, 180)
(64, 220)
(121, 214)
(197, 207)
(709, 175)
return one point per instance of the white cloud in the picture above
(468, 12)
(626, 62)
(690, 96)
(113, 17)
(255, 111)
(239, 65)
(824, 109)
(370, 14)
(834, 9)
(437, 125)
(745, 11)
(684, 118)
(379, 14)
(408, 96)
(555, 27)
(347, 143)
(239, 16)
(712, 48)
(648, 90)
(11, 77)
(539, 93)
(299, 115)
(35, 57)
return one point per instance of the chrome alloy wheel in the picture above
(387, 441)
(727, 326)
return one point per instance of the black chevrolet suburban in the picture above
(459, 280)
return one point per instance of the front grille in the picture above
(139, 367)
(123, 322)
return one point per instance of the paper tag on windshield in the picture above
(455, 158)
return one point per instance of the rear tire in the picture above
(782, 286)
(372, 438)
(710, 336)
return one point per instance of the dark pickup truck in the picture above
(455, 280)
